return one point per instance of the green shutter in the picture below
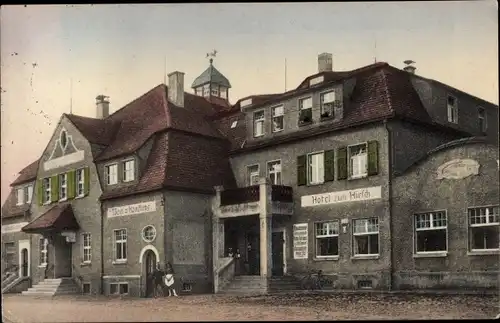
(329, 165)
(372, 158)
(301, 170)
(54, 187)
(71, 184)
(86, 181)
(40, 191)
(342, 163)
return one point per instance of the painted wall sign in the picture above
(458, 169)
(282, 208)
(14, 227)
(360, 194)
(132, 209)
(300, 241)
(64, 160)
(239, 209)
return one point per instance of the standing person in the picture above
(158, 281)
(169, 279)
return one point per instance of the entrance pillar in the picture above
(217, 237)
(265, 219)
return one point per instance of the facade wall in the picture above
(345, 269)
(188, 244)
(87, 209)
(13, 236)
(129, 213)
(419, 190)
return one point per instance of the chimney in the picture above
(325, 62)
(409, 67)
(176, 88)
(102, 105)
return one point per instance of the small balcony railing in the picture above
(249, 194)
(240, 195)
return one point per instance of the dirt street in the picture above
(23, 309)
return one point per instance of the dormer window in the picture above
(316, 80)
(305, 108)
(452, 109)
(215, 90)
(128, 170)
(20, 196)
(258, 123)
(278, 116)
(206, 90)
(327, 103)
(223, 92)
(112, 174)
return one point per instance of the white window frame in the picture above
(250, 175)
(358, 158)
(301, 105)
(452, 110)
(109, 179)
(488, 223)
(29, 193)
(366, 233)
(206, 90)
(63, 188)
(275, 172)
(319, 170)
(322, 103)
(128, 174)
(86, 248)
(482, 116)
(144, 230)
(43, 246)
(20, 196)
(47, 190)
(223, 92)
(80, 182)
(430, 228)
(280, 116)
(120, 243)
(327, 235)
(10, 252)
(214, 90)
(261, 121)
(118, 289)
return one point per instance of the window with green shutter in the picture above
(329, 165)
(301, 170)
(86, 181)
(39, 191)
(71, 184)
(372, 157)
(342, 163)
(54, 185)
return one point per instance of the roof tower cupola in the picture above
(211, 83)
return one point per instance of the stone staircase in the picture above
(245, 285)
(52, 287)
(8, 279)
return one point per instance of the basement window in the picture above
(186, 287)
(86, 288)
(118, 288)
(365, 284)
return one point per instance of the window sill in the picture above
(315, 184)
(129, 181)
(86, 264)
(365, 257)
(120, 262)
(42, 266)
(304, 123)
(327, 118)
(79, 196)
(47, 203)
(278, 131)
(326, 258)
(350, 178)
(258, 136)
(63, 200)
(491, 252)
(112, 184)
(431, 255)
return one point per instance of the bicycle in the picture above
(314, 280)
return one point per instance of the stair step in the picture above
(31, 292)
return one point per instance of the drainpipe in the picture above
(390, 158)
(102, 249)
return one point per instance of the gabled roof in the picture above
(58, 218)
(211, 75)
(27, 174)
(96, 131)
(10, 208)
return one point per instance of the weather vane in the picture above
(211, 55)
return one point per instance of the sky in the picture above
(125, 50)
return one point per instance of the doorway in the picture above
(24, 263)
(278, 266)
(150, 264)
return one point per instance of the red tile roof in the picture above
(97, 131)
(59, 218)
(27, 174)
(10, 208)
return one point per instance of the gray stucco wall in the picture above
(132, 271)
(87, 209)
(188, 245)
(346, 271)
(418, 190)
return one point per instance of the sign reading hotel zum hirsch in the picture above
(360, 194)
(300, 241)
(132, 209)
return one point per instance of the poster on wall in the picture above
(300, 241)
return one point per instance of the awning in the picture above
(59, 218)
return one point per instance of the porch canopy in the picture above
(59, 218)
